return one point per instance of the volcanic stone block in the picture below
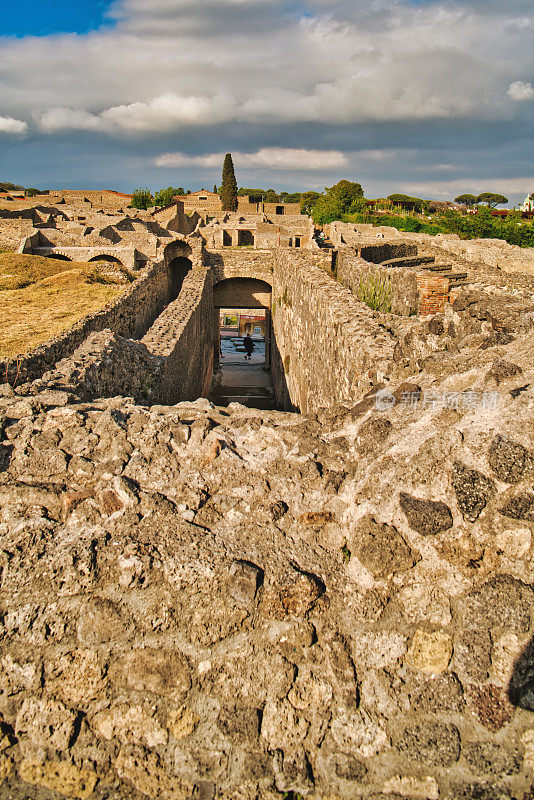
(472, 490)
(426, 516)
(431, 743)
(508, 459)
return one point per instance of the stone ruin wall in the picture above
(128, 316)
(182, 337)
(173, 362)
(231, 604)
(329, 347)
(351, 268)
(175, 219)
(229, 263)
(492, 253)
(315, 323)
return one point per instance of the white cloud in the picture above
(168, 112)
(519, 91)
(67, 119)
(163, 113)
(278, 158)
(171, 64)
(183, 160)
(13, 126)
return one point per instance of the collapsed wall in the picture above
(330, 348)
(487, 253)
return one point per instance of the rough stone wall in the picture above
(376, 253)
(173, 361)
(104, 365)
(404, 297)
(493, 253)
(183, 337)
(229, 603)
(230, 263)
(104, 199)
(331, 347)
(174, 218)
(13, 231)
(289, 209)
(129, 316)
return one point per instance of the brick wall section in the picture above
(433, 293)
(183, 336)
(331, 348)
(129, 316)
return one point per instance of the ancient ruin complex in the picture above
(330, 600)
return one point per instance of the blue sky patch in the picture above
(46, 17)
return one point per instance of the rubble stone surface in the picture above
(234, 603)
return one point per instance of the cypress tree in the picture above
(229, 185)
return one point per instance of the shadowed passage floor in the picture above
(243, 381)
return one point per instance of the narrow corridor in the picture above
(243, 381)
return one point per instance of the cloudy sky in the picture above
(429, 97)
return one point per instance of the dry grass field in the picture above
(41, 297)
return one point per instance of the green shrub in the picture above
(142, 198)
(481, 225)
(375, 292)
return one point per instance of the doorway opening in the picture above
(245, 238)
(244, 375)
(178, 269)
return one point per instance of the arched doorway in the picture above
(177, 258)
(178, 269)
(242, 293)
(242, 308)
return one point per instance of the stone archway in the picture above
(242, 293)
(58, 256)
(178, 269)
(105, 257)
(177, 255)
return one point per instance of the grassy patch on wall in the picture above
(375, 292)
(42, 297)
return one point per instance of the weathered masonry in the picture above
(235, 603)
(323, 345)
(312, 322)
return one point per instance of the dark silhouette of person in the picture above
(249, 346)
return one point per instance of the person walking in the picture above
(249, 347)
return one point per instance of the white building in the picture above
(528, 205)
